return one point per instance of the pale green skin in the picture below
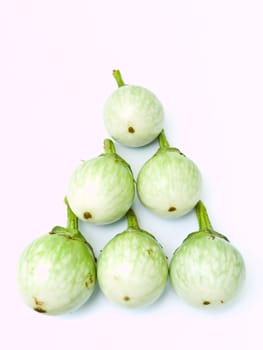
(206, 270)
(132, 269)
(103, 187)
(169, 184)
(137, 108)
(56, 274)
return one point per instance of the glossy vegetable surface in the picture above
(132, 268)
(206, 270)
(101, 190)
(169, 183)
(133, 115)
(57, 272)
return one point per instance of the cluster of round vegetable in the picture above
(57, 273)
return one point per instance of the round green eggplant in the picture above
(101, 190)
(56, 273)
(206, 270)
(132, 268)
(169, 183)
(133, 115)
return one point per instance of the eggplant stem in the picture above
(202, 216)
(163, 142)
(117, 76)
(72, 220)
(109, 146)
(132, 220)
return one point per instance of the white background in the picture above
(203, 59)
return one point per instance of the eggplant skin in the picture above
(206, 270)
(132, 269)
(56, 274)
(133, 116)
(101, 190)
(169, 184)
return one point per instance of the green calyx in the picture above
(205, 226)
(133, 224)
(71, 231)
(165, 146)
(109, 149)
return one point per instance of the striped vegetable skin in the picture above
(57, 272)
(132, 268)
(206, 270)
(133, 115)
(101, 190)
(169, 183)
